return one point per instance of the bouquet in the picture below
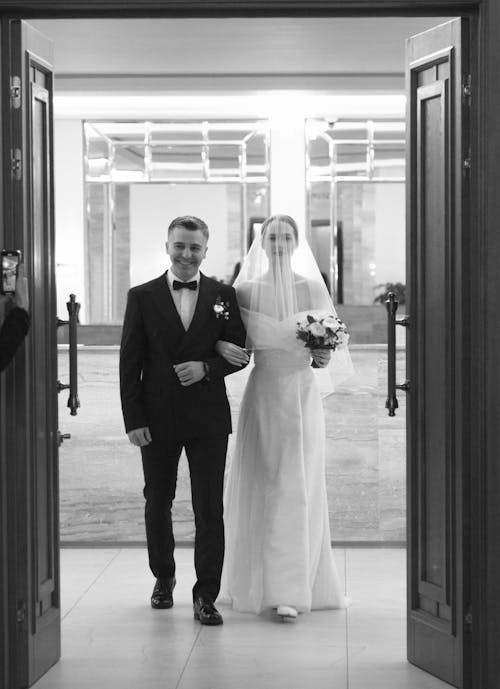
(327, 332)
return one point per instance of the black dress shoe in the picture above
(162, 593)
(206, 612)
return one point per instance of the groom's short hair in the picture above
(189, 222)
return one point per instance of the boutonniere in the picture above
(221, 308)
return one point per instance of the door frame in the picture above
(484, 301)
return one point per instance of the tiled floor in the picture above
(113, 639)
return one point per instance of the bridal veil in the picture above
(279, 285)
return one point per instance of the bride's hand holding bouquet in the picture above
(322, 335)
(321, 357)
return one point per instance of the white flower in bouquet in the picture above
(330, 322)
(317, 329)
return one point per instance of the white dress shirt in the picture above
(184, 299)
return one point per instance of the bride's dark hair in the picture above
(280, 218)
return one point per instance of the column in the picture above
(288, 183)
(69, 214)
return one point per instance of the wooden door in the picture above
(31, 393)
(438, 171)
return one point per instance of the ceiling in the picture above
(231, 46)
(245, 67)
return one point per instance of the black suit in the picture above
(196, 417)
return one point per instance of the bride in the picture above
(278, 550)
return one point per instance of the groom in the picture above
(173, 397)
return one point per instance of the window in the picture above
(140, 175)
(355, 171)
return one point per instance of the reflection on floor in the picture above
(112, 638)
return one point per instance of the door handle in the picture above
(61, 437)
(73, 310)
(391, 305)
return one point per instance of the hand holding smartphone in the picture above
(10, 265)
(13, 281)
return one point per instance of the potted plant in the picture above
(398, 288)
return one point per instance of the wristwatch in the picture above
(206, 368)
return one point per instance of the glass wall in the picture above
(356, 206)
(140, 175)
(356, 226)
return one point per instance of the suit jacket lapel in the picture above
(163, 300)
(207, 295)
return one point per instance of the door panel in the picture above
(36, 568)
(437, 199)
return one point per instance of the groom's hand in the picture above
(190, 372)
(139, 436)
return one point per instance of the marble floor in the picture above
(112, 638)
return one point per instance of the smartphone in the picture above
(10, 262)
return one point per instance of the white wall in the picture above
(153, 206)
(390, 233)
(69, 214)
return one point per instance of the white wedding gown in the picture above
(278, 548)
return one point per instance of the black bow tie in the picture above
(188, 285)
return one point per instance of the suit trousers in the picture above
(207, 459)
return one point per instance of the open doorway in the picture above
(98, 108)
(375, 485)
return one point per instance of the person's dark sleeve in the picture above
(234, 331)
(132, 354)
(12, 333)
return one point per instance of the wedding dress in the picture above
(278, 542)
